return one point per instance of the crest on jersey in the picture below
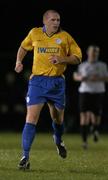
(58, 41)
(27, 99)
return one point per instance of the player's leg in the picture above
(84, 117)
(96, 114)
(57, 116)
(84, 124)
(29, 132)
(95, 119)
(35, 100)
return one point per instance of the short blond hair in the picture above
(48, 12)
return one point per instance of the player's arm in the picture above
(26, 46)
(20, 56)
(67, 60)
(73, 55)
(98, 78)
(104, 78)
(104, 69)
(78, 77)
(72, 60)
(104, 74)
(80, 74)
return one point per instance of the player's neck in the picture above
(91, 61)
(49, 33)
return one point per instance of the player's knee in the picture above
(32, 118)
(54, 117)
(58, 120)
(83, 119)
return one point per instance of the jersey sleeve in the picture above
(82, 70)
(73, 48)
(104, 69)
(79, 69)
(27, 42)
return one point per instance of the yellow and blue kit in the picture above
(47, 83)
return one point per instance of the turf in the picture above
(91, 164)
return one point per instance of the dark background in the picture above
(85, 20)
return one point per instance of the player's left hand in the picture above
(54, 59)
(94, 78)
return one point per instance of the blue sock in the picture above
(27, 138)
(58, 132)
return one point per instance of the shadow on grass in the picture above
(30, 170)
(44, 171)
(90, 172)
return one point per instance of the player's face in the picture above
(93, 53)
(52, 22)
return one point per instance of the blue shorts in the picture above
(43, 89)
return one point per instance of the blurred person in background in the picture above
(92, 74)
(53, 50)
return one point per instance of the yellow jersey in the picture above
(60, 43)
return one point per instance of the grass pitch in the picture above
(91, 164)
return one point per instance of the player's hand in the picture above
(93, 78)
(54, 59)
(18, 67)
(79, 77)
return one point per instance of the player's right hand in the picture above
(18, 67)
(93, 78)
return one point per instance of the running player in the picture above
(92, 74)
(53, 49)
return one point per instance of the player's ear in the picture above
(44, 20)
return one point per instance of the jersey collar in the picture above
(93, 61)
(44, 31)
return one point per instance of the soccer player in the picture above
(92, 74)
(53, 49)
